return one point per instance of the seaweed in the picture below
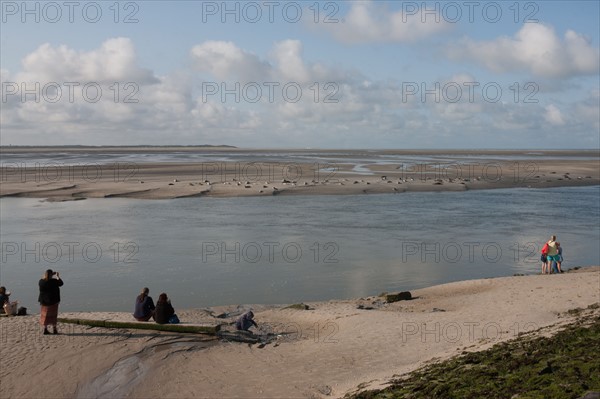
(565, 365)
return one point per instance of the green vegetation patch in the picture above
(566, 365)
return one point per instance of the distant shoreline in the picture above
(222, 147)
(85, 148)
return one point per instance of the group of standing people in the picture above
(162, 313)
(552, 257)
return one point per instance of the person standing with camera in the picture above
(49, 299)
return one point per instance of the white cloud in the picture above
(534, 48)
(368, 112)
(553, 115)
(114, 61)
(369, 22)
(228, 63)
(225, 60)
(288, 55)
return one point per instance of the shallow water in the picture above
(286, 249)
(55, 158)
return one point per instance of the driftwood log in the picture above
(180, 328)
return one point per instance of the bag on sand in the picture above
(22, 311)
(10, 308)
(173, 319)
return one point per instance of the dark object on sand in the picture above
(401, 296)
(246, 337)
(363, 307)
(299, 306)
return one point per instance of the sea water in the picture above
(286, 249)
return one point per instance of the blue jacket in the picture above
(143, 308)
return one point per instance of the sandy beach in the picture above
(332, 349)
(166, 180)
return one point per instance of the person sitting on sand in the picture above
(4, 298)
(245, 321)
(164, 312)
(552, 254)
(144, 306)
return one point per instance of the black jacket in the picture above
(49, 291)
(163, 311)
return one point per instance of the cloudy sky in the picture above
(301, 74)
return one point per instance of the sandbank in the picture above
(459, 171)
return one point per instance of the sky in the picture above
(302, 74)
